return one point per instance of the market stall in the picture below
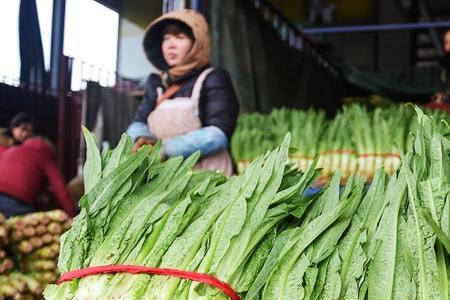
(257, 233)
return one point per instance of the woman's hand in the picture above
(141, 142)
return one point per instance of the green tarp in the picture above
(408, 84)
(267, 72)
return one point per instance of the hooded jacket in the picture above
(197, 58)
(218, 107)
(26, 168)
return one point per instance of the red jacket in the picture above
(444, 106)
(26, 168)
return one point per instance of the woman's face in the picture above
(447, 42)
(175, 47)
(22, 132)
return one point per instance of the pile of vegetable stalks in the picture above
(33, 244)
(17, 285)
(258, 231)
(355, 141)
(391, 242)
(6, 263)
(140, 211)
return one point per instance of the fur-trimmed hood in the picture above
(197, 58)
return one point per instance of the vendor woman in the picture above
(190, 105)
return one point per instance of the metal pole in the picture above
(63, 88)
(383, 27)
(171, 5)
(198, 5)
(59, 12)
(164, 7)
(180, 4)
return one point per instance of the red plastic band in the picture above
(198, 277)
(338, 151)
(391, 155)
(380, 154)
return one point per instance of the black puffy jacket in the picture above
(218, 104)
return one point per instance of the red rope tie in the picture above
(338, 151)
(198, 277)
(394, 155)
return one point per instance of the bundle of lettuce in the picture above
(258, 232)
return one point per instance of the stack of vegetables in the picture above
(139, 211)
(306, 126)
(6, 263)
(357, 140)
(258, 232)
(336, 151)
(377, 137)
(34, 246)
(35, 240)
(256, 130)
(389, 243)
(20, 286)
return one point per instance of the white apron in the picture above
(178, 116)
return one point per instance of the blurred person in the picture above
(25, 170)
(21, 127)
(441, 100)
(190, 106)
